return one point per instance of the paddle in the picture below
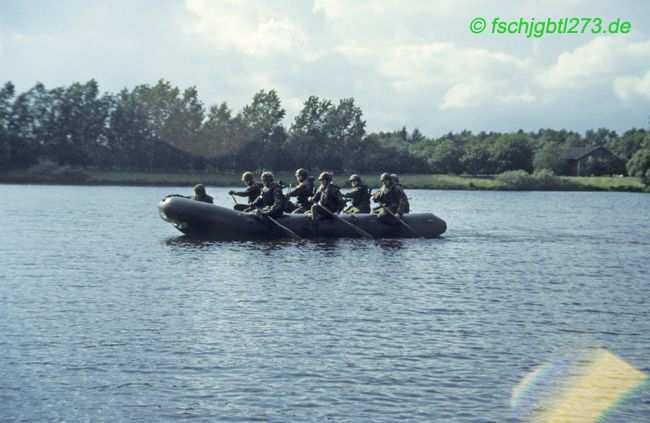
(401, 221)
(291, 233)
(352, 226)
(234, 199)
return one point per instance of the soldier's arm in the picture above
(340, 201)
(297, 190)
(376, 197)
(352, 193)
(401, 195)
(278, 202)
(258, 202)
(316, 197)
(240, 193)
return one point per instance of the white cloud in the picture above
(465, 94)
(598, 62)
(468, 76)
(516, 98)
(256, 29)
(355, 52)
(421, 65)
(627, 87)
(583, 65)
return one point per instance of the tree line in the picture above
(163, 128)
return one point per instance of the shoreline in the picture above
(412, 181)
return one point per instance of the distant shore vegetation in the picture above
(76, 134)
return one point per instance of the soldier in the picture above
(302, 191)
(200, 195)
(252, 191)
(390, 196)
(360, 196)
(271, 201)
(328, 196)
(407, 208)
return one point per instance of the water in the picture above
(109, 314)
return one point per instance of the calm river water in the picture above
(107, 313)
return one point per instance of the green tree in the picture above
(387, 152)
(344, 130)
(602, 137)
(416, 136)
(629, 143)
(512, 152)
(445, 158)
(6, 95)
(475, 159)
(29, 125)
(131, 141)
(308, 135)
(265, 137)
(550, 157)
(639, 164)
(175, 119)
(223, 135)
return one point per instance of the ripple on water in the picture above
(111, 315)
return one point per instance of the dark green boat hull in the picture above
(209, 221)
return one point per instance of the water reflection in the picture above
(391, 244)
(325, 245)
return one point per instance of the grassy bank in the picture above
(516, 181)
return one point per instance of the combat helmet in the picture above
(355, 177)
(302, 172)
(199, 188)
(385, 176)
(247, 176)
(267, 176)
(325, 176)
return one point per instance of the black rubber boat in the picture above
(203, 220)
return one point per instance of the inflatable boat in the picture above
(209, 221)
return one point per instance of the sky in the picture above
(412, 63)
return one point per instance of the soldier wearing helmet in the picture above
(328, 196)
(407, 207)
(391, 198)
(271, 201)
(360, 196)
(200, 195)
(302, 191)
(252, 191)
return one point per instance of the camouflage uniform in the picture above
(200, 195)
(271, 200)
(407, 207)
(327, 196)
(360, 196)
(205, 198)
(302, 192)
(391, 197)
(252, 191)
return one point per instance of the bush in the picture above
(516, 180)
(520, 180)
